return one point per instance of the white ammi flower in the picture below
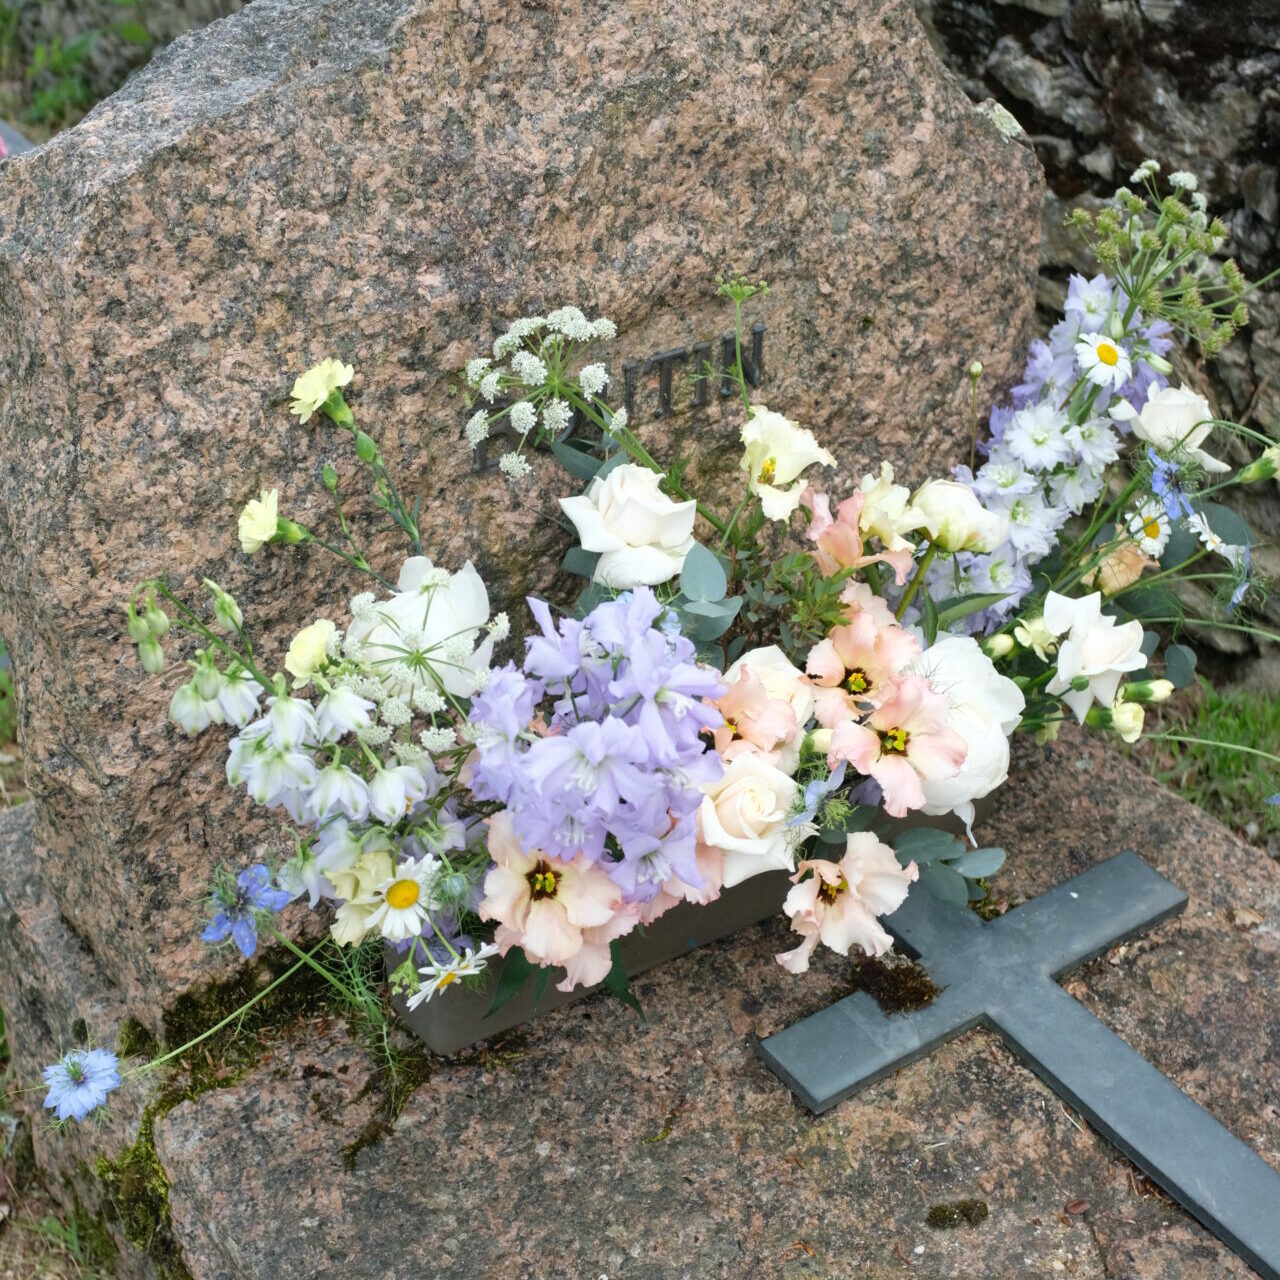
(775, 452)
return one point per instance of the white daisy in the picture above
(1150, 528)
(435, 977)
(402, 902)
(1103, 362)
(1212, 542)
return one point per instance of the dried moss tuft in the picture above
(898, 984)
(946, 1216)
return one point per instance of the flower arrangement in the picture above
(767, 688)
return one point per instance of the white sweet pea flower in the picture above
(338, 790)
(239, 697)
(986, 708)
(744, 814)
(955, 519)
(431, 632)
(1094, 650)
(1173, 418)
(642, 534)
(776, 451)
(342, 711)
(192, 712)
(291, 723)
(395, 790)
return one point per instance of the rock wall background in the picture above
(1101, 84)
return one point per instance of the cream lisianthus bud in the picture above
(1147, 691)
(1034, 634)
(308, 651)
(259, 520)
(1000, 646)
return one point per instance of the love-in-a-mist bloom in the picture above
(836, 903)
(540, 903)
(239, 907)
(80, 1081)
(904, 741)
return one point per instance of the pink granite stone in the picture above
(392, 181)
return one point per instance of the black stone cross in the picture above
(1000, 976)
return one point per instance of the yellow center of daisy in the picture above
(769, 470)
(447, 978)
(402, 894)
(857, 681)
(542, 881)
(829, 892)
(894, 742)
(1107, 353)
(1151, 527)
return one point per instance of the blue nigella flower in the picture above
(1242, 587)
(1167, 487)
(814, 794)
(238, 917)
(1275, 799)
(80, 1081)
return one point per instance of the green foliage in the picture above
(8, 701)
(1231, 785)
(59, 92)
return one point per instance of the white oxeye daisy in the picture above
(1198, 525)
(1150, 528)
(403, 901)
(1104, 362)
(437, 976)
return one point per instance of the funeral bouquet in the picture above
(767, 684)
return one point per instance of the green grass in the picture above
(1231, 785)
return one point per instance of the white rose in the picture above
(776, 451)
(642, 534)
(1095, 649)
(986, 708)
(954, 518)
(431, 629)
(744, 814)
(780, 679)
(1173, 417)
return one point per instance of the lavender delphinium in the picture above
(613, 767)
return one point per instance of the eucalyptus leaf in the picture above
(1180, 665)
(714, 608)
(1182, 545)
(1229, 526)
(578, 463)
(611, 464)
(703, 576)
(927, 844)
(978, 862)
(946, 884)
(580, 561)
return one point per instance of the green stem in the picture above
(356, 562)
(1210, 742)
(193, 622)
(916, 579)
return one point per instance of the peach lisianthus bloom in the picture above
(838, 541)
(904, 741)
(858, 665)
(838, 903)
(544, 904)
(859, 598)
(753, 721)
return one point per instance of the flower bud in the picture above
(151, 655)
(226, 612)
(139, 629)
(1126, 720)
(330, 478)
(289, 533)
(1117, 325)
(1000, 646)
(208, 681)
(1158, 363)
(820, 741)
(1147, 691)
(337, 409)
(1080, 683)
(975, 370)
(157, 620)
(1261, 468)
(366, 450)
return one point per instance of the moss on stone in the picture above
(953, 1214)
(898, 984)
(135, 1041)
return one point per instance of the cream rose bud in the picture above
(259, 520)
(642, 534)
(744, 814)
(986, 708)
(1173, 418)
(954, 518)
(308, 651)
(775, 452)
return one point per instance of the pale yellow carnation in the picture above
(313, 388)
(259, 520)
